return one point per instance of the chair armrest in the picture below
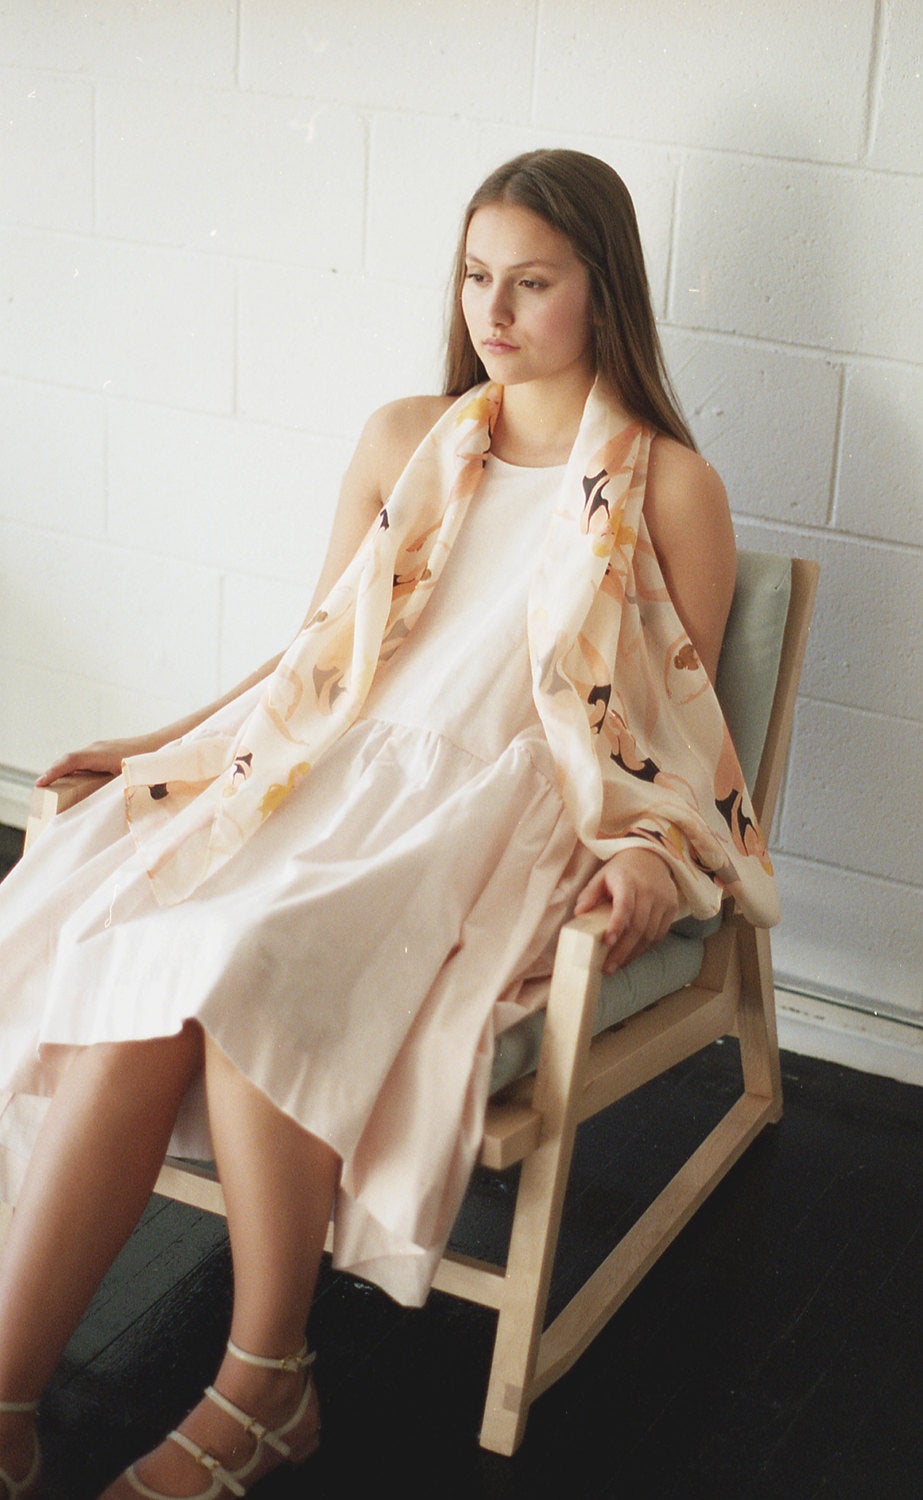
(593, 922)
(48, 801)
(570, 1012)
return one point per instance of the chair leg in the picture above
(759, 1042)
(533, 1242)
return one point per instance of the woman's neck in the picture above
(537, 425)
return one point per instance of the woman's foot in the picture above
(277, 1421)
(20, 1460)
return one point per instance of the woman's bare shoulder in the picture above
(681, 475)
(387, 441)
(689, 523)
(395, 430)
(408, 419)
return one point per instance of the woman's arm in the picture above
(387, 441)
(689, 521)
(386, 444)
(106, 756)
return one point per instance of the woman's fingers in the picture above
(630, 938)
(593, 892)
(644, 902)
(104, 758)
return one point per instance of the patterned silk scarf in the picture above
(643, 755)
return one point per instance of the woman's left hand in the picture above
(644, 900)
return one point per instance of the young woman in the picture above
(288, 931)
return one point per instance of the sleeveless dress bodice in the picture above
(464, 672)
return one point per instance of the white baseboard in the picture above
(855, 1038)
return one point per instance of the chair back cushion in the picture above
(748, 669)
(751, 652)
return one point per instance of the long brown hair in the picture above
(587, 201)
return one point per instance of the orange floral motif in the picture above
(276, 794)
(686, 659)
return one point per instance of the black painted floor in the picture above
(773, 1352)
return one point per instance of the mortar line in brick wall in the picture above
(218, 257)
(778, 346)
(235, 342)
(833, 354)
(94, 163)
(815, 699)
(106, 449)
(194, 252)
(219, 633)
(223, 412)
(673, 239)
(811, 862)
(802, 163)
(216, 413)
(365, 226)
(799, 529)
(208, 414)
(874, 82)
(836, 466)
(115, 548)
(533, 88)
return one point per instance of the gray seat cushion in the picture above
(658, 972)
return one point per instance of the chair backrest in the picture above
(760, 666)
(758, 673)
(749, 666)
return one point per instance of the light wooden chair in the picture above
(600, 1039)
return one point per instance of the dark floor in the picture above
(773, 1352)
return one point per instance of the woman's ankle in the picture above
(268, 1395)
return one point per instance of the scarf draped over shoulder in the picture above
(643, 756)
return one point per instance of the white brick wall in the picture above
(225, 228)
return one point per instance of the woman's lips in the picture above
(499, 346)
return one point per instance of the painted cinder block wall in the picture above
(225, 228)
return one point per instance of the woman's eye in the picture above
(477, 276)
(534, 286)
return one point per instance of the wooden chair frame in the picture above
(535, 1120)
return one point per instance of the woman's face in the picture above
(525, 297)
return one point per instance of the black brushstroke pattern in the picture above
(593, 485)
(731, 810)
(600, 694)
(647, 771)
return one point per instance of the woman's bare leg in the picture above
(278, 1184)
(90, 1176)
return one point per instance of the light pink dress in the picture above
(358, 956)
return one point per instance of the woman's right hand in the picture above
(104, 757)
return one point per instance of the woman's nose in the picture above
(499, 311)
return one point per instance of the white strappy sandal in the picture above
(234, 1481)
(19, 1489)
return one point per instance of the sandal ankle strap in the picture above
(291, 1362)
(14, 1406)
(207, 1461)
